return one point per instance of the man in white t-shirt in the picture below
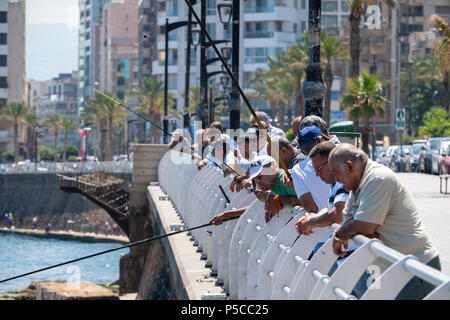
(336, 200)
(273, 131)
(310, 189)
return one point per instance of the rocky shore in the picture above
(63, 290)
(68, 235)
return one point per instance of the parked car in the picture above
(421, 141)
(415, 157)
(391, 157)
(433, 147)
(380, 153)
(445, 161)
(403, 156)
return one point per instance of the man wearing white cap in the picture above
(267, 175)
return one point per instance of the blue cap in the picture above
(307, 135)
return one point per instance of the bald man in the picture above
(380, 204)
(295, 125)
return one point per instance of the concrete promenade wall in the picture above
(29, 194)
(145, 264)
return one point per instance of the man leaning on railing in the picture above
(380, 203)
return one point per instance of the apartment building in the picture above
(119, 52)
(89, 49)
(57, 96)
(267, 27)
(12, 65)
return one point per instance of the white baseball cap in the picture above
(258, 163)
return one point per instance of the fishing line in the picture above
(236, 83)
(164, 131)
(111, 250)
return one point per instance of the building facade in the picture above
(267, 27)
(12, 66)
(119, 53)
(89, 49)
(59, 97)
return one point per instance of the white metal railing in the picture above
(67, 167)
(258, 260)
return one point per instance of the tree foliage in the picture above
(435, 123)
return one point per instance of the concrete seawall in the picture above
(29, 194)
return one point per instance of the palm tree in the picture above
(365, 101)
(17, 112)
(194, 98)
(332, 49)
(435, 68)
(151, 96)
(297, 58)
(54, 122)
(31, 122)
(67, 125)
(441, 24)
(356, 12)
(93, 114)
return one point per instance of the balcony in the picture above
(259, 9)
(270, 13)
(258, 34)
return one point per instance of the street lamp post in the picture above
(186, 115)
(373, 69)
(169, 27)
(201, 112)
(313, 87)
(231, 11)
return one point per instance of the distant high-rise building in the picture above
(119, 56)
(57, 96)
(12, 65)
(267, 27)
(89, 49)
(147, 36)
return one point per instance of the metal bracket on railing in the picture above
(176, 227)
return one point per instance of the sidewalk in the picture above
(434, 208)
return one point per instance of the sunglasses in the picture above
(321, 167)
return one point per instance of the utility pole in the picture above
(313, 87)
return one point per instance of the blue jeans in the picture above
(416, 288)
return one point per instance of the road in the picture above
(434, 208)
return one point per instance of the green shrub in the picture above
(290, 135)
(8, 156)
(47, 154)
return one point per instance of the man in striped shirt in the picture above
(337, 198)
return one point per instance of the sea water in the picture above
(21, 254)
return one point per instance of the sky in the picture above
(51, 38)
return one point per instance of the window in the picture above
(329, 21)
(211, 27)
(3, 60)
(211, 8)
(3, 82)
(172, 8)
(303, 27)
(3, 17)
(193, 57)
(329, 6)
(344, 7)
(121, 81)
(3, 38)
(303, 4)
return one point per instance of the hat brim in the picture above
(255, 171)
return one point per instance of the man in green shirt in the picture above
(267, 176)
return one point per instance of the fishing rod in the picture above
(180, 140)
(111, 250)
(236, 83)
